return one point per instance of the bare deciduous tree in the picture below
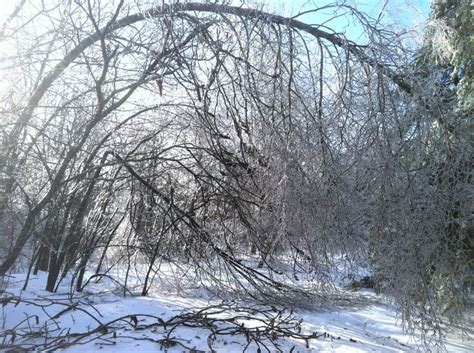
(201, 133)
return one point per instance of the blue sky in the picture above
(408, 7)
(401, 13)
(404, 13)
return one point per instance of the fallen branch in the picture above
(226, 319)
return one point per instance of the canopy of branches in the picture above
(211, 135)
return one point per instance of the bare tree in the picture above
(200, 133)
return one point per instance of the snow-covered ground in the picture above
(161, 322)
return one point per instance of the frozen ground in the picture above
(161, 322)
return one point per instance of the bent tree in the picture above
(200, 133)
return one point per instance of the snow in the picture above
(372, 326)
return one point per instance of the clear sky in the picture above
(402, 13)
(406, 10)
